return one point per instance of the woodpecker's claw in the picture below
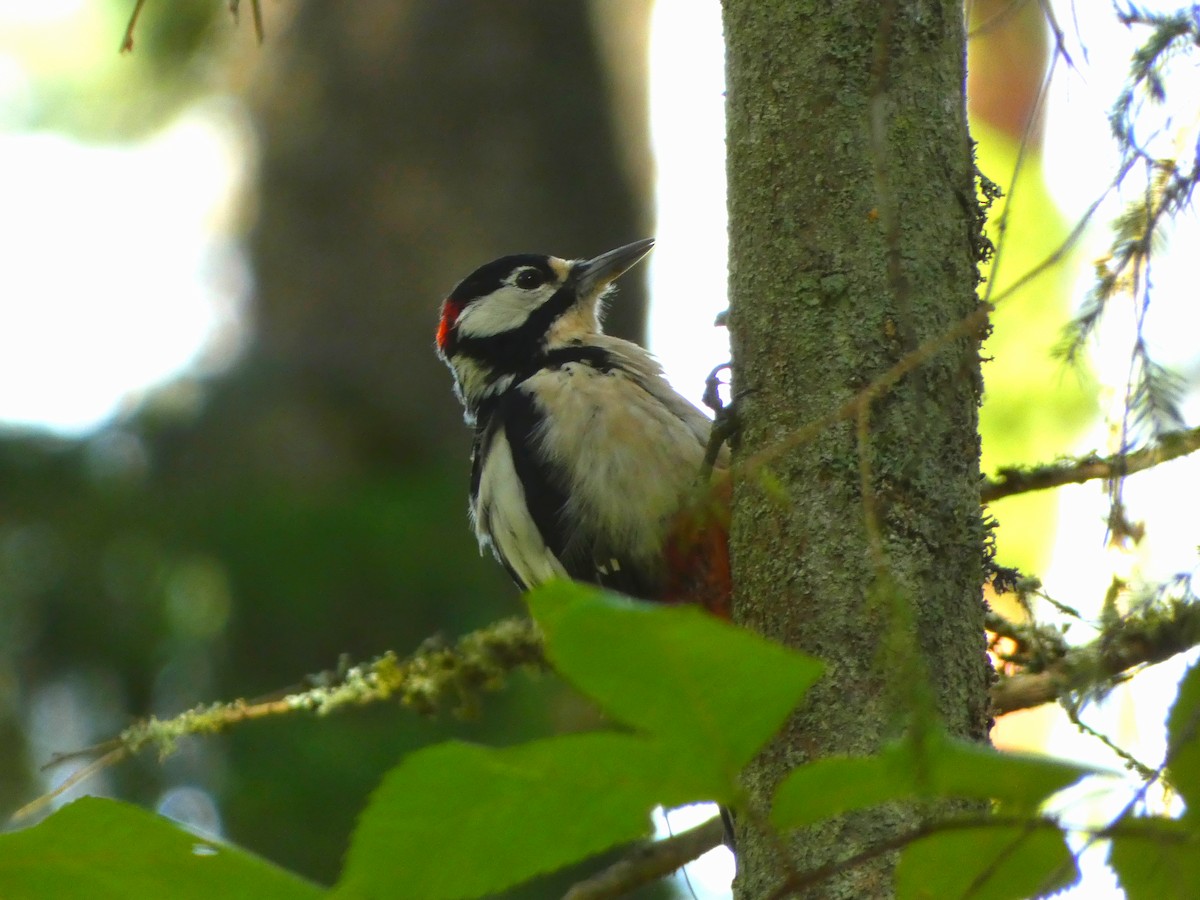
(725, 423)
(712, 389)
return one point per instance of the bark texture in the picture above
(854, 239)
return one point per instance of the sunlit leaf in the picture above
(940, 766)
(1183, 739)
(1019, 781)
(834, 785)
(1156, 859)
(95, 849)
(986, 863)
(715, 691)
(459, 820)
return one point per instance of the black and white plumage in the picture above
(584, 455)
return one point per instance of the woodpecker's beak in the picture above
(594, 275)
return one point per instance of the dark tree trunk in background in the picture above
(851, 194)
(403, 144)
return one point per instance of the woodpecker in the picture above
(585, 461)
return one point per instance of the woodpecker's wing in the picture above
(501, 510)
(612, 453)
(520, 504)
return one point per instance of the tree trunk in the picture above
(854, 238)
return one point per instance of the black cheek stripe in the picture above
(514, 350)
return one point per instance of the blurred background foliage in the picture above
(252, 522)
(310, 501)
(1034, 408)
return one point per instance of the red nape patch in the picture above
(450, 311)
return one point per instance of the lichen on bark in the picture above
(854, 241)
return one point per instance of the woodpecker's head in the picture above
(505, 315)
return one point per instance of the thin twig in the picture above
(256, 14)
(1072, 708)
(1066, 245)
(996, 21)
(1031, 122)
(649, 862)
(127, 40)
(111, 758)
(1179, 740)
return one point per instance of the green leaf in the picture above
(941, 766)
(986, 863)
(714, 691)
(1183, 742)
(837, 784)
(459, 820)
(1156, 859)
(1021, 782)
(95, 849)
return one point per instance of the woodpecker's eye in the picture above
(530, 278)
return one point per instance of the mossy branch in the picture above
(425, 682)
(434, 677)
(437, 676)
(1148, 636)
(1010, 482)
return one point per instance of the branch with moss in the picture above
(437, 676)
(434, 677)
(1010, 482)
(1142, 638)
